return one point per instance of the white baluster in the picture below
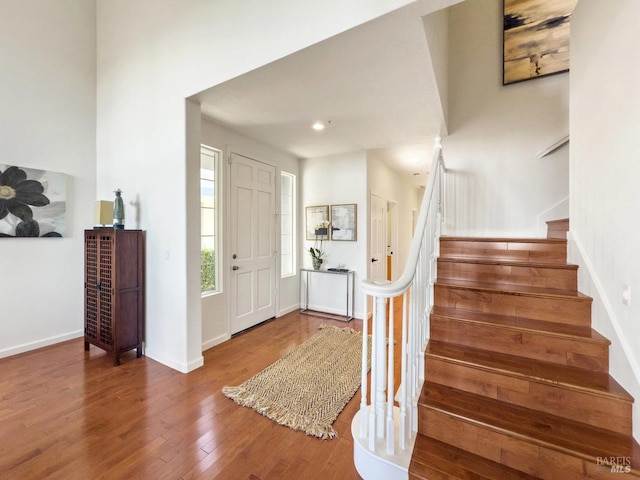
(380, 340)
(404, 431)
(390, 383)
(365, 369)
(374, 367)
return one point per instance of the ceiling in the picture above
(373, 86)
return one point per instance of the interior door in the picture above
(392, 240)
(377, 267)
(253, 247)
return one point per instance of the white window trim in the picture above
(217, 153)
(294, 240)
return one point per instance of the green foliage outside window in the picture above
(207, 270)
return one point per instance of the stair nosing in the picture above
(499, 288)
(436, 311)
(504, 239)
(506, 262)
(530, 377)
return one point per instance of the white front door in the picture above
(377, 245)
(253, 247)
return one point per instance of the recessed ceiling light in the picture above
(318, 126)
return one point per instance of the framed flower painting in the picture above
(32, 202)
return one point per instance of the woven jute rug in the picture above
(308, 387)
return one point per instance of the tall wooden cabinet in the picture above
(114, 290)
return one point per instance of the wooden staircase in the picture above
(516, 380)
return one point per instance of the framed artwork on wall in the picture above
(344, 222)
(535, 38)
(317, 222)
(32, 202)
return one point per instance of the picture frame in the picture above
(317, 222)
(35, 202)
(344, 222)
(535, 38)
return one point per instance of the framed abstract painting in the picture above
(344, 221)
(317, 225)
(535, 38)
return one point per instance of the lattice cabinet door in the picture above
(106, 252)
(91, 292)
(114, 290)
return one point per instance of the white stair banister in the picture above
(384, 433)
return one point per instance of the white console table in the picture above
(349, 276)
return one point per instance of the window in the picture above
(209, 159)
(287, 224)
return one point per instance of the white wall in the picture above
(436, 28)
(336, 180)
(605, 169)
(47, 121)
(215, 328)
(495, 132)
(151, 56)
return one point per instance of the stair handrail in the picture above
(383, 433)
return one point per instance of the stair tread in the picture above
(597, 383)
(536, 427)
(458, 463)
(558, 220)
(511, 263)
(509, 321)
(513, 289)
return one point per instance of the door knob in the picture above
(235, 267)
(374, 260)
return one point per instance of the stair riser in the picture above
(558, 278)
(568, 310)
(500, 447)
(558, 228)
(528, 344)
(554, 252)
(596, 410)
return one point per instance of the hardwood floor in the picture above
(70, 414)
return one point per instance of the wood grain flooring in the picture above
(70, 414)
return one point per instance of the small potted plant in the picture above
(316, 257)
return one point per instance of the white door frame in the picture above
(381, 256)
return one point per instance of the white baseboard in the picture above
(45, 342)
(289, 309)
(179, 366)
(334, 311)
(215, 341)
